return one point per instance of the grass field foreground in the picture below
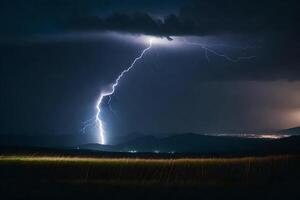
(181, 171)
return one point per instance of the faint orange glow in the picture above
(292, 118)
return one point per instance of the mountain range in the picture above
(185, 143)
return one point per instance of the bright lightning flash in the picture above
(108, 94)
(97, 120)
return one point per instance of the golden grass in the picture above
(90, 160)
(142, 171)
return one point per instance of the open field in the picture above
(53, 176)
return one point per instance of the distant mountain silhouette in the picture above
(119, 139)
(186, 143)
(205, 145)
(291, 131)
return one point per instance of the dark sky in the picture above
(57, 55)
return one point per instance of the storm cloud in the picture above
(203, 18)
(272, 25)
(194, 17)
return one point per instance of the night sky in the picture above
(57, 55)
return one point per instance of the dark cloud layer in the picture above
(194, 17)
(30, 17)
(204, 17)
(274, 22)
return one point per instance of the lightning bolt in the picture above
(209, 50)
(103, 94)
(97, 119)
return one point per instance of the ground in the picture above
(66, 177)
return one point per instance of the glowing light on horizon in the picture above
(271, 136)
